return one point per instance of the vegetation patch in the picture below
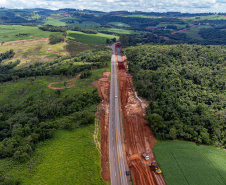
(12, 31)
(93, 39)
(188, 163)
(70, 157)
(119, 24)
(185, 87)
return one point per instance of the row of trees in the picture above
(185, 87)
(54, 38)
(6, 55)
(53, 28)
(88, 31)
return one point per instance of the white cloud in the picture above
(130, 5)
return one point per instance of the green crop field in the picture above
(143, 16)
(116, 30)
(8, 33)
(184, 163)
(208, 17)
(63, 22)
(119, 24)
(93, 39)
(70, 157)
(55, 22)
(165, 24)
(194, 32)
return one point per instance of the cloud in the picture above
(115, 5)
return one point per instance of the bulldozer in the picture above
(157, 169)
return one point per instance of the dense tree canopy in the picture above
(185, 87)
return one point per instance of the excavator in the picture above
(157, 169)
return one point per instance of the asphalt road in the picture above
(117, 166)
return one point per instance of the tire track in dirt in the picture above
(71, 85)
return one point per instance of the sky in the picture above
(191, 6)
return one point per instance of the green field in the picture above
(116, 30)
(22, 89)
(62, 84)
(143, 16)
(184, 163)
(63, 22)
(165, 24)
(208, 17)
(70, 157)
(119, 24)
(93, 39)
(8, 33)
(194, 32)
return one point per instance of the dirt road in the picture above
(138, 135)
(71, 85)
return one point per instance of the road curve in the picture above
(117, 165)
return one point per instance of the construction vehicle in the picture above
(157, 169)
(145, 156)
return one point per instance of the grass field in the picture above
(119, 24)
(208, 17)
(194, 32)
(62, 84)
(22, 89)
(116, 30)
(143, 16)
(93, 39)
(184, 163)
(63, 22)
(70, 157)
(31, 51)
(8, 33)
(165, 24)
(74, 48)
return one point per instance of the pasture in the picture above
(32, 51)
(194, 32)
(184, 163)
(8, 33)
(70, 157)
(93, 39)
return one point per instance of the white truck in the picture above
(145, 156)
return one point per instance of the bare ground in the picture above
(103, 86)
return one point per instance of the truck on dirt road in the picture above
(145, 156)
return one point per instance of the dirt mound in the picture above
(103, 87)
(138, 135)
(71, 85)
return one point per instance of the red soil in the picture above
(71, 85)
(138, 135)
(103, 86)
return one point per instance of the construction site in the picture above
(137, 137)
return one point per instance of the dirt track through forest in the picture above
(71, 85)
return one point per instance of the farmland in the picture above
(119, 24)
(70, 157)
(93, 39)
(8, 33)
(194, 32)
(35, 50)
(189, 163)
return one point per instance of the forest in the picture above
(185, 88)
(35, 118)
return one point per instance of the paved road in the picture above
(117, 166)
